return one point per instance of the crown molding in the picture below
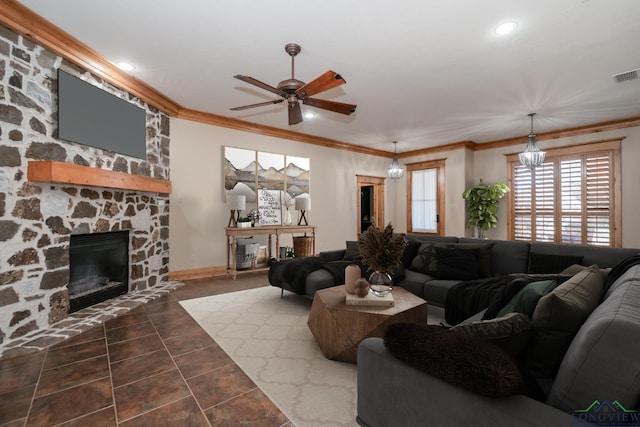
(564, 133)
(228, 122)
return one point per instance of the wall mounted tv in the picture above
(90, 116)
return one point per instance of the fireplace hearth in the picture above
(98, 268)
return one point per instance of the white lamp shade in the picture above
(237, 202)
(303, 204)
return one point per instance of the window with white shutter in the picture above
(572, 198)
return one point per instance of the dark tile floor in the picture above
(153, 366)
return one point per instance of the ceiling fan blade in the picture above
(295, 114)
(261, 85)
(259, 104)
(326, 81)
(337, 107)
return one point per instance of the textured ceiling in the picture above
(425, 73)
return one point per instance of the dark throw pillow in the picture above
(410, 252)
(352, 252)
(462, 360)
(547, 263)
(456, 263)
(526, 299)
(423, 258)
(511, 332)
(557, 318)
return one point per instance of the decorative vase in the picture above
(287, 217)
(380, 283)
(351, 274)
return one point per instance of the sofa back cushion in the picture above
(602, 361)
(604, 257)
(507, 256)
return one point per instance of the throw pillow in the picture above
(352, 252)
(576, 268)
(423, 258)
(510, 332)
(483, 257)
(410, 252)
(457, 358)
(557, 318)
(526, 299)
(456, 263)
(547, 263)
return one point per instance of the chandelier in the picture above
(395, 171)
(532, 156)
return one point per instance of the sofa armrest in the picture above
(335, 255)
(392, 393)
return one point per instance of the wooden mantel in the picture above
(68, 173)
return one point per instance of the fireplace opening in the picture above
(98, 268)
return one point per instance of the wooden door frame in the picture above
(378, 199)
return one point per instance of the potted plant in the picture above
(381, 250)
(482, 202)
(244, 222)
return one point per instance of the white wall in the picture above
(199, 215)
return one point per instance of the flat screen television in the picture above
(88, 115)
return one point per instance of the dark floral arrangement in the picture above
(381, 250)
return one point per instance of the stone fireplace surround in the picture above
(37, 219)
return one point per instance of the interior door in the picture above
(370, 202)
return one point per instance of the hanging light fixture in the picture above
(532, 156)
(395, 171)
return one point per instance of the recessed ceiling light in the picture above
(506, 28)
(125, 66)
(309, 115)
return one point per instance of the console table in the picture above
(277, 230)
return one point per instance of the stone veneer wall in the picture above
(37, 219)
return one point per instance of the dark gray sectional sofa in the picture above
(600, 371)
(506, 257)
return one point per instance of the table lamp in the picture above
(303, 204)
(236, 203)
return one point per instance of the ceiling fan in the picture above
(294, 91)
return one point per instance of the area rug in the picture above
(268, 338)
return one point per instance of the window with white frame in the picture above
(425, 191)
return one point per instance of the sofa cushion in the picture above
(557, 318)
(602, 361)
(435, 291)
(546, 263)
(507, 256)
(423, 258)
(526, 299)
(456, 263)
(463, 360)
(352, 252)
(483, 256)
(510, 332)
(410, 252)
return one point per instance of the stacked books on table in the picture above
(371, 300)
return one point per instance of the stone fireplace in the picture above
(39, 219)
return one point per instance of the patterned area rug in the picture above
(267, 336)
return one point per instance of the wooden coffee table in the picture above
(338, 328)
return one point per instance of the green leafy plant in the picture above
(381, 250)
(482, 202)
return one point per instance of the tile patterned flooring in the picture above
(153, 366)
